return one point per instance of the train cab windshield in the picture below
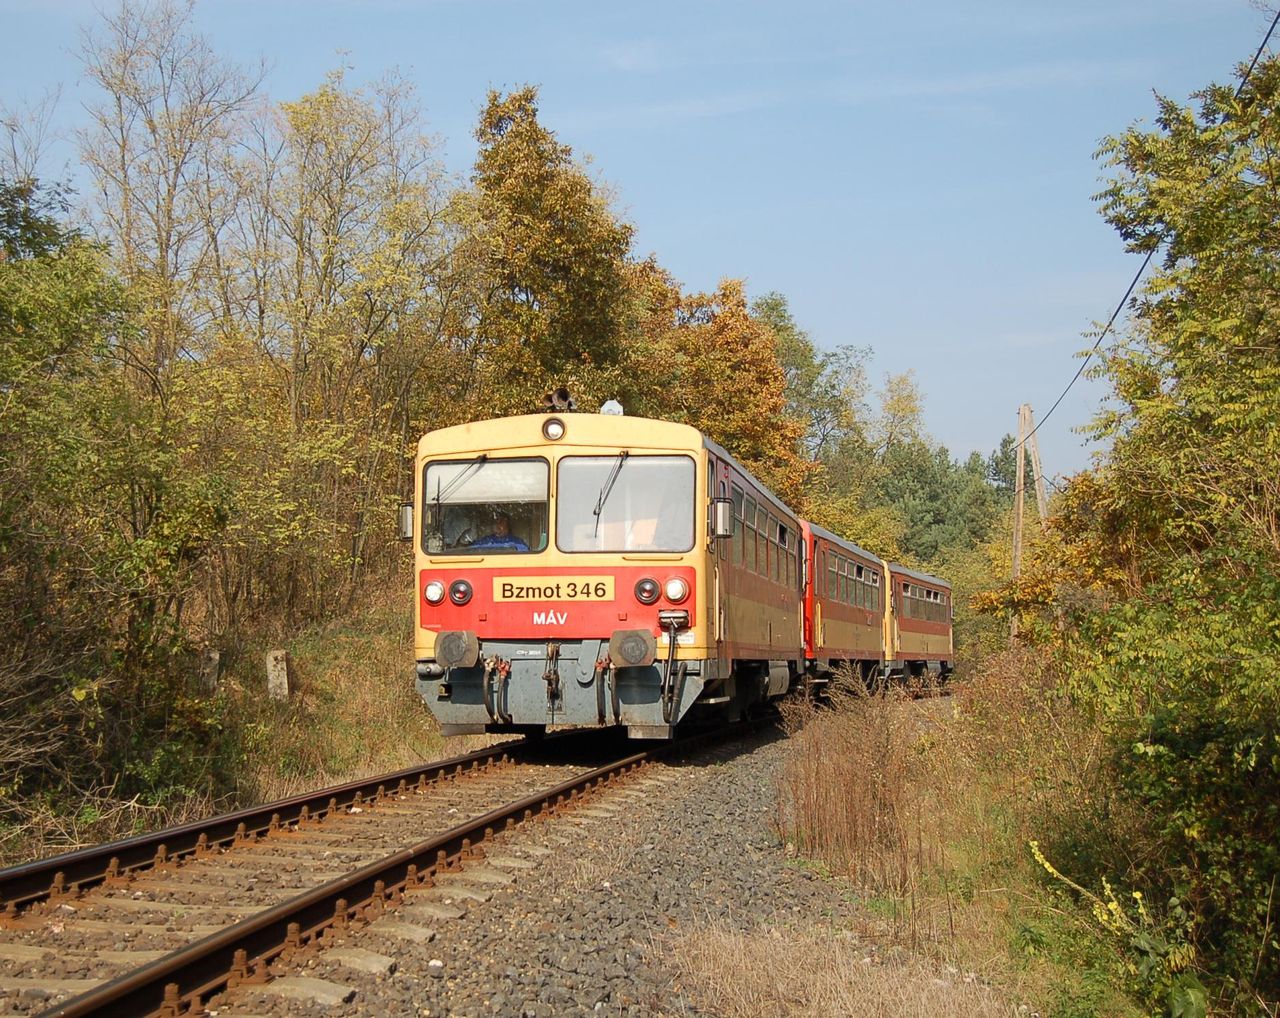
(625, 502)
(485, 506)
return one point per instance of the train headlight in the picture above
(553, 429)
(676, 590)
(459, 592)
(433, 592)
(647, 591)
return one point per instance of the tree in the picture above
(1177, 536)
(824, 391)
(708, 362)
(554, 256)
(1002, 467)
(100, 529)
(29, 224)
(169, 105)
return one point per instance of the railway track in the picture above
(158, 924)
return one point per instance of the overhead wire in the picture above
(1146, 261)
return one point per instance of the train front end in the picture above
(560, 568)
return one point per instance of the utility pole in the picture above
(1017, 512)
(1026, 436)
(1042, 502)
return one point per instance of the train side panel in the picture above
(918, 628)
(757, 581)
(847, 591)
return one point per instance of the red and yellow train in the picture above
(604, 570)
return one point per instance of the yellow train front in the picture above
(562, 565)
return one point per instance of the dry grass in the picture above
(355, 713)
(845, 787)
(36, 830)
(821, 973)
(927, 807)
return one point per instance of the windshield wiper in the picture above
(467, 472)
(607, 488)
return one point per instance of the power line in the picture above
(1150, 254)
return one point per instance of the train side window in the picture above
(779, 550)
(739, 511)
(832, 566)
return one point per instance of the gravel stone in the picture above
(585, 928)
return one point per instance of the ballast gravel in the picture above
(599, 895)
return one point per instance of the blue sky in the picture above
(915, 177)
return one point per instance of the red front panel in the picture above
(551, 603)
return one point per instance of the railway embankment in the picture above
(867, 859)
(671, 894)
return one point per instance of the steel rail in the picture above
(31, 882)
(241, 952)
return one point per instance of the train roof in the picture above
(823, 532)
(773, 499)
(915, 574)
(524, 431)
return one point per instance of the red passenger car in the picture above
(844, 605)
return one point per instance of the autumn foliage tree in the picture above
(209, 391)
(552, 255)
(1166, 564)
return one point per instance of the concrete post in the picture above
(210, 669)
(279, 675)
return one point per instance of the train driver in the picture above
(501, 536)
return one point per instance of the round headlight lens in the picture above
(553, 429)
(459, 592)
(433, 592)
(647, 591)
(676, 590)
